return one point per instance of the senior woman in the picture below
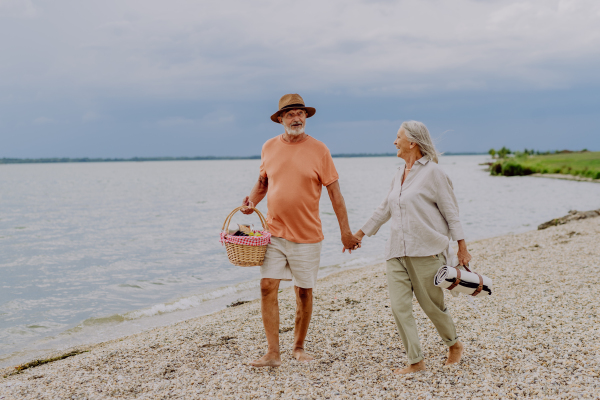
(424, 214)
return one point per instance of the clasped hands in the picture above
(352, 242)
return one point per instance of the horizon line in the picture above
(57, 160)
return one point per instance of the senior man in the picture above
(294, 167)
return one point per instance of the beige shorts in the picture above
(287, 260)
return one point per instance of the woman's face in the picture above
(402, 144)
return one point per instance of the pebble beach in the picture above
(537, 336)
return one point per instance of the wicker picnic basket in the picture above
(246, 251)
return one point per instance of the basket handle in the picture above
(263, 221)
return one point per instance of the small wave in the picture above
(104, 320)
(177, 305)
(125, 285)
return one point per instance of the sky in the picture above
(152, 78)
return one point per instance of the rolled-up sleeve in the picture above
(381, 215)
(448, 205)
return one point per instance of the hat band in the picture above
(293, 106)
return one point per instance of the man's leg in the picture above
(270, 315)
(274, 269)
(304, 305)
(304, 260)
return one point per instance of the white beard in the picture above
(293, 131)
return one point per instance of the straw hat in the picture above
(292, 101)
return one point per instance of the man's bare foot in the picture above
(268, 360)
(455, 353)
(420, 366)
(301, 355)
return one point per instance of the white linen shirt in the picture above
(424, 213)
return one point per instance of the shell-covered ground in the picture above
(537, 336)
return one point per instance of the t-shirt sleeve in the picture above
(263, 171)
(327, 173)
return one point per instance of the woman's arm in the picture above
(463, 254)
(381, 215)
(448, 206)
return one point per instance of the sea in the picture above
(95, 251)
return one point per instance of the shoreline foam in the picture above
(155, 316)
(536, 336)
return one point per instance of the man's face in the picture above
(293, 121)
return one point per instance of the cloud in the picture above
(223, 49)
(217, 118)
(201, 77)
(43, 121)
(176, 121)
(17, 9)
(91, 116)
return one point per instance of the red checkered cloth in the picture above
(247, 240)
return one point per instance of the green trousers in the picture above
(406, 275)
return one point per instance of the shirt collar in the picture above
(423, 160)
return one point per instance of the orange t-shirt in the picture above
(296, 173)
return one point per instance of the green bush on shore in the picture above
(510, 168)
(585, 164)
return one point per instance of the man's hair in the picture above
(417, 132)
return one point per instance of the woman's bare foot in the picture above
(268, 360)
(301, 355)
(420, 366)
(455, 353)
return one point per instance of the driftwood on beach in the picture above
(573, 215)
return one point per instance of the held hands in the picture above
(359, 234)
(247, 203)
(352, 242)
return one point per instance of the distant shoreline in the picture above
(205, 158)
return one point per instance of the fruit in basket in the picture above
(245, 229)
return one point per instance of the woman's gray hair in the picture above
(417, 132)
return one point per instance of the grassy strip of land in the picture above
(585, 164)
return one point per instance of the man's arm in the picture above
(339, 206)
(259, 191)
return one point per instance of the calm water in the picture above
(90, 252)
